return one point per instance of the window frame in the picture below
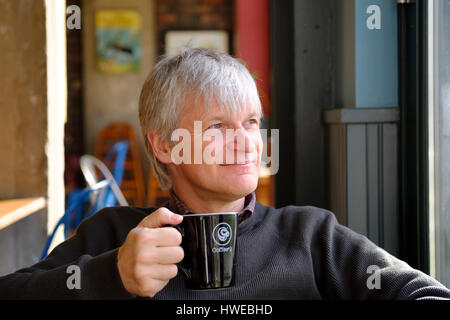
(413, 103)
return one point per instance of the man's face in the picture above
(236, 157)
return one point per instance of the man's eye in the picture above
(252, 122)
(216, 126)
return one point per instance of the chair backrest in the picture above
(114, 159)
(118, 153)
(132, 185)
(101, 193)
(78, 200)
(156, 197)
(88, 165)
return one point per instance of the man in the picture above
(286, 253)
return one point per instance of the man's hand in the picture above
(147, 259)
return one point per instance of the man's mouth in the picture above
(245, 163)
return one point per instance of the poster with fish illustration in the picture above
(118, 41)
(209, 39)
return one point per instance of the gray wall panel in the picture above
(390, 189)
(357, 178)
(373, 183)
(369, 139)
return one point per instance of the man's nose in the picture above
(240, 141)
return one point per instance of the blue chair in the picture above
(119, 153)
(89, 164)
(82, 203)
(77, 201)
(113, 194)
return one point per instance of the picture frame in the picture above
(118, 40)
(211, 39)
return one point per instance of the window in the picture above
(439, 138)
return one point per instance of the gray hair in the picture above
(206, 76)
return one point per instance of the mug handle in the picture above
(186, 272)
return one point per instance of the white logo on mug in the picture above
(222, 234)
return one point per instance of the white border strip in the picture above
(55, 17)
(431, 146)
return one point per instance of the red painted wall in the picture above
(252, 43)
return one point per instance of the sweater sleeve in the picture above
(353, 267)
(82, 267)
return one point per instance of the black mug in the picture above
(209, 244)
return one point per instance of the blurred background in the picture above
(359, 90)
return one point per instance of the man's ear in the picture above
(160, 147)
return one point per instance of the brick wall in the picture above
(193, 15)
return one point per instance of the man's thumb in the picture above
(161, 217)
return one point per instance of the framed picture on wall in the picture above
(210, 39)
(118, 40)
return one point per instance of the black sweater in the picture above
(286, 253)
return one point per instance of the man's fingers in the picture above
(158, 237)
(164, 271)
(169, 255)
(160, 218)
(152, 287)
(146, 261)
